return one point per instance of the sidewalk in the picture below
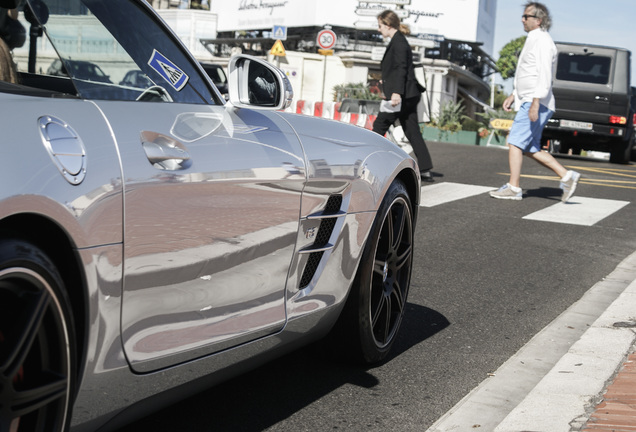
(564, 383)
(617, 411)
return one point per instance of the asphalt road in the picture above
(485, 281)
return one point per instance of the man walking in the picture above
(534, 102)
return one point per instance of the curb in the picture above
(560, 374)
(564, 399)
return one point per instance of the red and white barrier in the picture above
(331, 110)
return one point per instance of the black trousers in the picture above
(410, 125)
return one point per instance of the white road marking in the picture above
(440, 193)
(578, 211)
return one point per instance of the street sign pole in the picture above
(324, 77)
(326, 41)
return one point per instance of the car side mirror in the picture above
(255, 83)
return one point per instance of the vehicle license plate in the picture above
(576, 124)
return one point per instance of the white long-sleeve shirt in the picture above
(533, 78)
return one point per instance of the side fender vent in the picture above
(333, 206)
(328, 216)
(310, 268)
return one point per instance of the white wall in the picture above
(191, 26)
(469, 20)
(313, 76)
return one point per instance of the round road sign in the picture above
(326, 39)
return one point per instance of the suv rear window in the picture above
(583, 68)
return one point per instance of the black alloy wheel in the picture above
(36, 366)
(372, 316)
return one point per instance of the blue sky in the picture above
(598, 22)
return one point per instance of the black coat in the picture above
(398, 75)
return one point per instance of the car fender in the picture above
(340, 156)
(87, 207)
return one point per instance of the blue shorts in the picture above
(526, 134)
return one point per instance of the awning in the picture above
(483, 104)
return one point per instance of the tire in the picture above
(36, 342)
(623, 154)
(377, 301)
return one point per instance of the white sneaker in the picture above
(506, 192)
(569, 186)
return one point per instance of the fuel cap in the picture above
(65, 147)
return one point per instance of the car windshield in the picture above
(91, 41)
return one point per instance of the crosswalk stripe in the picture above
(578, 211)
(440, 193)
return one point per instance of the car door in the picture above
(583, 82)
(211, 193)
(209, 230)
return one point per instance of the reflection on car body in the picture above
(81, 70)
(160, 237)
(136, 78)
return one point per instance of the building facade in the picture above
(452, 41)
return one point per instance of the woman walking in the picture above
(402, 92)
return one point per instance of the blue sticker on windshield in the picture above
(175, 76)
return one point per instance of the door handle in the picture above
(164, 152)
(158, 153)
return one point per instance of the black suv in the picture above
(217, 74)
(594, 101)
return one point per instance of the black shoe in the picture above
(427, 177)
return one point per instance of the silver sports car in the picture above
(155, 238)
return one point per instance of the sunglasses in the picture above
(525, 17)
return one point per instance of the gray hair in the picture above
(542, 13)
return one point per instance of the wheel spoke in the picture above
(378, 266)
(404, 258)
(22, 342)
(376, 314)
(399, 297)
(387, 324)
(35, 348)
(51, 388)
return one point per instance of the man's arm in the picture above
(533, 112)
(507, 104)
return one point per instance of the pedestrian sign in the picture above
(278, 49)
(168, 70)
(279, 32)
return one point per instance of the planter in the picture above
(459, 137)
(496, 140)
